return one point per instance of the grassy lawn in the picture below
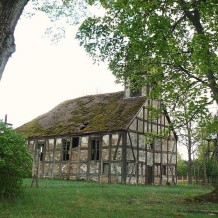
(63, 199)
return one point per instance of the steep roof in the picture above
(93, 113)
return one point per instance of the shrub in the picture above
(15, 162)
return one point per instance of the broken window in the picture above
(95, 144)
(66, 149)
(75, 142)
(41, 151)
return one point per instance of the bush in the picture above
(15, 162)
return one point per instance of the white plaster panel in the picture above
(118, 155)
(94, 166)
(59, 143)
(141, 141)
(64, 168)
(157, 145)
(157, 157)
(49, 156)
(84, 155)
(31, 146)
(116, 168)
(84, 141)
(133, 125)
(105, 140)
(51, 144)
(57, 155)
(150, 158)
(172, 158)
(142, 156)
(131, 169)
(115, 139)
(164, 145)
(133, 137)
(140, 114)
(105, 154)
(140, 126)
(83, 168)
(129, 154)
(56, 167)
(164, 160)
(145, 127)
(154, 128)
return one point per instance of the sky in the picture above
(40, 74)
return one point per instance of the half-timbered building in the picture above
(111, 137)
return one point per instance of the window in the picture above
(151, 145)
(164, 170)
(41, 151)
(135, 88)
(66, 149)
(105, 168)
(135, 93)
(95, 149)
(75, 142)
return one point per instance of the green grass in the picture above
(63, 199)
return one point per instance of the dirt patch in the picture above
(209, 197)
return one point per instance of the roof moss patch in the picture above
(104, 112)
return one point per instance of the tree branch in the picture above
(187, 72)
(176, 23)
(193, 115)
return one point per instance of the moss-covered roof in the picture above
(103, 112)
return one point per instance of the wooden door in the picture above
(149, 173)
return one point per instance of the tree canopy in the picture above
(170, 45)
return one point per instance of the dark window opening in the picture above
(95, 149)
(66, 149)
(149, 174)
(164, 170)
(135, 92)
(135, 88)
(151, 145)
(41, 151)
(105, 168)
(75, 142)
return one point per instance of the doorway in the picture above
(149, 174)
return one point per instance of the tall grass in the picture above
(64, 199)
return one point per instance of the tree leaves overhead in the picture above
(170, 45)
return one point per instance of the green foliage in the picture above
(170, 45)
(212, 168)
(15, 162)
(62, 14)
(182, 167)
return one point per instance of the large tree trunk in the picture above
(190, 164)
(10, 12)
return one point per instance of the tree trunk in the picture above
(194, 17)
(10, 12)
(189, 153)
(205, 171)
